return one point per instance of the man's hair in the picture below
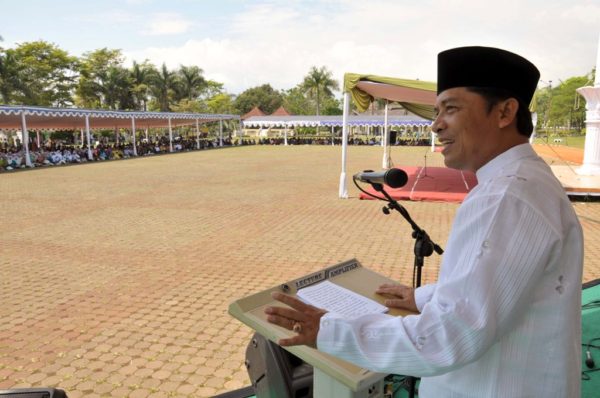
(493, 95)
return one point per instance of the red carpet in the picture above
(432, 183)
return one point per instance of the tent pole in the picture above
(220, 132)
(285, 135)
(133, 136)
(343, 192)
(432, 141)
(332, 137)
(534, 122)
(25, 139)
(87, 131)
(386, 163)
(197, 134)
(170, 136)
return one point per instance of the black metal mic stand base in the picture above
(425, 169)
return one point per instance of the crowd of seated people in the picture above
(57, 153)
(12, 156)
(359, 140)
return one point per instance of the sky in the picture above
(244, 44)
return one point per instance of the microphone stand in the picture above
(425, 169)
(424, 247)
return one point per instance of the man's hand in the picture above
(302, 318)
(403, 296)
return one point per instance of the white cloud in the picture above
(277, 42)
(114, 17)
(166, 24)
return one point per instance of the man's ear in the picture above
(507, 110)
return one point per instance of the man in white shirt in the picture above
(504, 318)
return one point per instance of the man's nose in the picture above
(437, 125)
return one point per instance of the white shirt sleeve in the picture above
(499, 246)
(423, 294)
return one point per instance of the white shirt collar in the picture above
(491, 168)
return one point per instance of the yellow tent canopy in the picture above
(416, 96)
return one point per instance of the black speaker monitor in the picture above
(33, 393)
(275, 372)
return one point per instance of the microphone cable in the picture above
(591, 304)
(414, 276)
(368, 193)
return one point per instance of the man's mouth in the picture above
(446, 144)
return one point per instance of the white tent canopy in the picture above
(26, 118)
(333, 121)
(74, 119)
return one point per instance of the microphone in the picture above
(394, 178)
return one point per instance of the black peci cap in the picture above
(487, 67)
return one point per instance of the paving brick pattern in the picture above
(115, 277)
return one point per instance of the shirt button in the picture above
(485, 244)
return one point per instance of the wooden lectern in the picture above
(333, 377)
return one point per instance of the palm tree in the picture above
(163, 86)
(141, 75)
(116, 88)
(192, 83)
(317, 82)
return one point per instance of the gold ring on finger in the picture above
(297, 328)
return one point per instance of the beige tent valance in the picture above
(416, 96)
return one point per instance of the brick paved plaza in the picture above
(115, 277)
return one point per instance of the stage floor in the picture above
(438, 184)
(564, 162)
(575, 184)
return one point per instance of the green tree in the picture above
(163, 87)
(296, 102)
(117, 89)
(561, 108)
(140, 80)
(94, 74)
(565, 101)
(191, 82)
(318, 84)
(265, 97)
(47, 73)
(331, 106)
(12, 83)
(188, 106)
(212, 88)
(220, 103)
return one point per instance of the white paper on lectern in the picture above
(339, 300)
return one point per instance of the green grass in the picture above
(574, 141)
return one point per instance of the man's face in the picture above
(465, 129)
